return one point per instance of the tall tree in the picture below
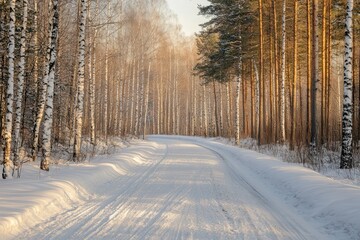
(347, 125)
(314, 77)
(80, 85)
(283, 75)
(294, 83)
(9, 94)
(50, 68)
(21, 77)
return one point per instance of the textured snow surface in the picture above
(173, 187)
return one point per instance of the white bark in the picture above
(133, 98)
(9, 94)
(42, 90)
(106, 80)
(137, 101)
(48, 118)
(80, 86)
(146, 101)
(347, 116)
(92, 76)
(21, 77)
(36, 46)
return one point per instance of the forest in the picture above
(281, 72)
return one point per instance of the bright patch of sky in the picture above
(187, 13)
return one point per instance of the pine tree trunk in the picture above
(283, 73)
(314, 78)
(262, 116)
(257, 98)
(80, 85)
(324, 74)
(48, 118)
(294, 95)
(276, 70)
(237, 107)
(20, 90)
(9, 94)
(205, 113)
(309, 74)
(217, 128)
(346, 146)
(229, 110)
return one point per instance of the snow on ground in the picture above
(173, 187)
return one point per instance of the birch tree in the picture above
(9, 94)
(347, 125)
(43, 87)
(80, 86)
(21, 77)
(48, 118)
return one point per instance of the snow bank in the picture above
(330, 204)
(39, 195)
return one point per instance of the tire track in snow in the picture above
(285, 222)
(80, 216)
(191, 191)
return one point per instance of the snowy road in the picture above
(189, 190)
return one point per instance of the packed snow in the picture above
(171, 187)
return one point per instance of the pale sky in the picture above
(187, 11)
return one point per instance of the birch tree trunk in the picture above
(42, 89)
(146, 102)
(48, 118)
(9, 94)
(106, 80)
(347, 125)
(80, 86)
(21, 77)
(36, 47)
(92, 76)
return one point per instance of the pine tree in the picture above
(283, 72)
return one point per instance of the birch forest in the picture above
(281, 72)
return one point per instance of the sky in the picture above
(187, 13)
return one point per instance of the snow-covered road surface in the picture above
(186, 188)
